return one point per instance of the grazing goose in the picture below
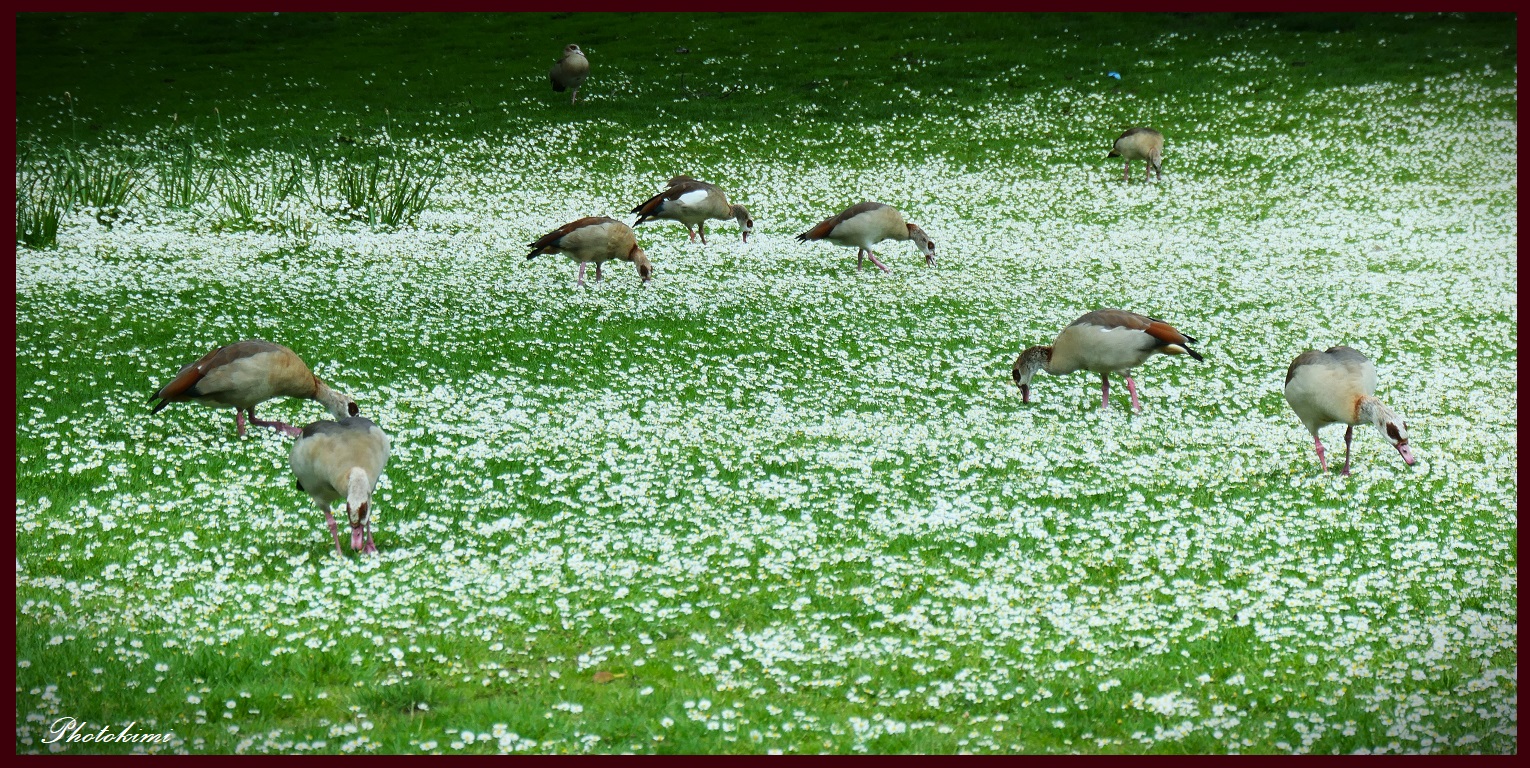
(247, 373)
(342, 460)
(1143, 144)
(1104, 341)
(691, 203)
(594, 238)
(1338, 387)
(569, 71)
(865, 225)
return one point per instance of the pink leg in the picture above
(598, 265)
(239, 420)
(1104, 391)
(368, 548)
(1131, 386)
(860, 261)
(334, 531)
(703, 227)
(279, 426)
(1322, 462)
(1127, 174)
(873, 255)
(692, 233)
(575, 97)
(581, 274)
(1349, 434)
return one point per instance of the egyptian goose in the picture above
(1143, 144)
(1104, 341)
(569, 71)
(594, 238)
(691, 203)
(865, 225)
(1338, 387)
(342, 460)
(247, 373)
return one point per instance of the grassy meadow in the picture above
(767, 502)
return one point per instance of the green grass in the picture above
(793, 506)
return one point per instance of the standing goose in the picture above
(691, 203)
(342, 460)
(1339, 387)
(1104, 341)
(1143, 144)
(569, 71)
(594, 238)
(247, 373)
(867, 224)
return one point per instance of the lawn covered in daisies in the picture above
(768, 502)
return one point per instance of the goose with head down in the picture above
(866, 224)
(247, 373)
(1143, 144)
(692, 202)
(1104, 341)
(344, 459)
(1338, 386)
(595, 239)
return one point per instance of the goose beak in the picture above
(1407, 453)
(357, 526)
(1025, 393)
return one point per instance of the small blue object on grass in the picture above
(1116, 75)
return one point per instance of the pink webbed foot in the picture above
(1322, 460)
(879, 265)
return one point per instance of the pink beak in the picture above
(1407, 453)
(358, 527)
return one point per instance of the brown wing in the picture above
(184, 384)
(827, 225)
(1306, 358)
(550, 240)
(650, 207)
(1114, 318)
(1167, 334)
(1162, 332)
